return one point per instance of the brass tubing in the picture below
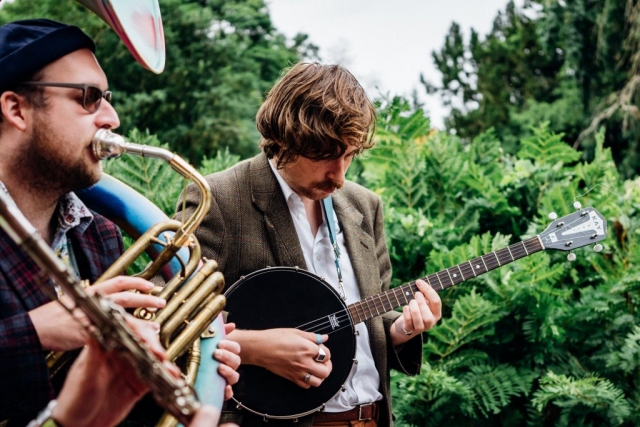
(197, 293)
(192, 365)
(197, 326)
(184, 293)
(118, 268)
(193, 362)
(176, 281)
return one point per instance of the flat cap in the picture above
(30, 45)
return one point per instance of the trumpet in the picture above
(193, 292)
(108, 319)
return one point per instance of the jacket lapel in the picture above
(360, 245)
(267, 196)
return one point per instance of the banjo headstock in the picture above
(582, 228)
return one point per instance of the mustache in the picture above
(328, 185)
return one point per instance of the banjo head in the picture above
(286, 297)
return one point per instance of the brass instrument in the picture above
(193, 295)
(107, 318)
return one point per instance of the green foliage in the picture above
(589, 401)
(572, 64)
(448, 201)
(472, 318)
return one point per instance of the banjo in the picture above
(306, 302)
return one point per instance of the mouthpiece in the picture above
(109, 145)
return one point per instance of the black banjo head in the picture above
(285, 297)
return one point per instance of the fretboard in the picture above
(397, 297)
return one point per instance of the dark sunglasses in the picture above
(91, 95)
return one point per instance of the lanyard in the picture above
(327, 205)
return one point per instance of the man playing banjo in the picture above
(267, 211)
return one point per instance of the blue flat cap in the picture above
(30, 45)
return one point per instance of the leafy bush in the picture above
(541, 341)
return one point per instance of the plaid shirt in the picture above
(25, 387)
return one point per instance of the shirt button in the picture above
(300, 216)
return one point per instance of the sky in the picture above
(386, 44)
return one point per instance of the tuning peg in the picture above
(597, 247)
(577, 205)
(553, 216)
(571, 257)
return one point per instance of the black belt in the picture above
(364, 412)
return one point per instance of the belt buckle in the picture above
(360, 411)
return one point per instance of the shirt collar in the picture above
(71, 213)
(286, 190)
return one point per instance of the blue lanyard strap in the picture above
(327, 209)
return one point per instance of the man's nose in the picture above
(107, 116)
(338, 170)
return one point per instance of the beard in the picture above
(43, 167)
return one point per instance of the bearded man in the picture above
(53, 99)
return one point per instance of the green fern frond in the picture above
(546, 147)
(222, 161)
(472, 318)
(627, 358)
(426, 398)
(494, 386)
(580, 397)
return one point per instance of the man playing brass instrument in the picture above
(53, 99)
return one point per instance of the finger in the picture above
(148, 333)
(206, 416)
(315, 381)
(425, 310)
(228, 392)
(227, 357)
(173, 369)
(229, 345)
(406, 317)
(435, 303)
(416, 315)
(229, 327)
(120, 284)
(230, 375)
(134, 300)
(316, 338)
(327, 352)
(321, 370)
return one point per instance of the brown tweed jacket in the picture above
(249, 227)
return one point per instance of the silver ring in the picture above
(318, 339)
(405, 331)
(321, 355)
(306, 377)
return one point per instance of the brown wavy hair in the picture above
(315, 111)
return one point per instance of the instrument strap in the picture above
(327, 209)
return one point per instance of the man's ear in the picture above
(14, 108)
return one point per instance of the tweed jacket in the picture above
(25, 387)
(249, 227)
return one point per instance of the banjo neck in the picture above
(384, 302)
